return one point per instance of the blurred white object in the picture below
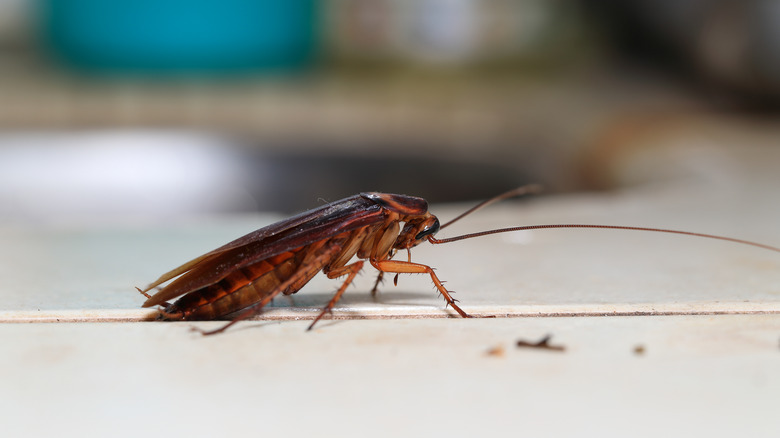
(474, 30)
(117, 175)
(442, 29)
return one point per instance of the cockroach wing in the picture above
(308, 227)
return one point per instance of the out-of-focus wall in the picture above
(446, 99)
(730, 46)
(14, 19)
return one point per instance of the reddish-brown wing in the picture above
(320, 223)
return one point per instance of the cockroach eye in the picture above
(428, 231)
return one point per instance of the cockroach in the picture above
(247, 273)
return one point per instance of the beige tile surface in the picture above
(698, 375)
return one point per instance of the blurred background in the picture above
(158, 109)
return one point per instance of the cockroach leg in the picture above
(254, 309)
(379, 280)
(168, 315)
(351, 271)
(401, 267)
(247, 313)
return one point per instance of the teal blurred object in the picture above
(181, 36)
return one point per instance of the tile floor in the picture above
(663, 334)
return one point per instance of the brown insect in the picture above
(247, 273)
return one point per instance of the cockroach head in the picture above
(416, 230)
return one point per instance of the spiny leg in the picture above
(401, 267)
(351, 271)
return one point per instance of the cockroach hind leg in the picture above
(247, 313)
(163, 314)
(212, 332)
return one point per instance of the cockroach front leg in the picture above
(401, 267)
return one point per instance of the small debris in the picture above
(639, 350)
(542, 344)
(497, 351)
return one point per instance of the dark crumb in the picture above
(639, 350)
(497, 351)
(543, 344)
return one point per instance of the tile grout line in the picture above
(529, 311)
